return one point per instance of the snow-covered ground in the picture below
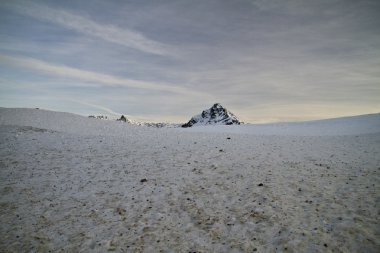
(75, 184)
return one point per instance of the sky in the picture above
(165, 61)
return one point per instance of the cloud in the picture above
(110, 111)
(89, 76)
(122, 36)
(263, 59)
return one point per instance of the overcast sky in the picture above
(160, 60)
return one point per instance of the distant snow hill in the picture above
(148, 124)
(63, 122)
(216, 115)
(72, 123)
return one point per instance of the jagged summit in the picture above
(216, 115)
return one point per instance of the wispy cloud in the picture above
(122, 36)
(268, 60)
(109, 111)
(89, 76)
(105, 109)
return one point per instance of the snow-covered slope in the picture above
(62, 122)
(73, 184)
(363, 124)
(216, 115)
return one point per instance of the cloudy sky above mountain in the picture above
(265, 60)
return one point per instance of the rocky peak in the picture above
(216, 115)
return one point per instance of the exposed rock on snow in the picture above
(95, 117)
(137, 123)
(160, 125)
(216, 115)
(147, 124)
(123, 118)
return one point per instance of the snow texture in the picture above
(75, 184)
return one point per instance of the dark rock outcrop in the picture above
(216, 115)
(123, 118)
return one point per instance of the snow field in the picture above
(74, 184)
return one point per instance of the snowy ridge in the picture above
(148, 124)
(72, 123)
(354, 125)
(216, 115)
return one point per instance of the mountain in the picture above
(72, 123)
(216, 115)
